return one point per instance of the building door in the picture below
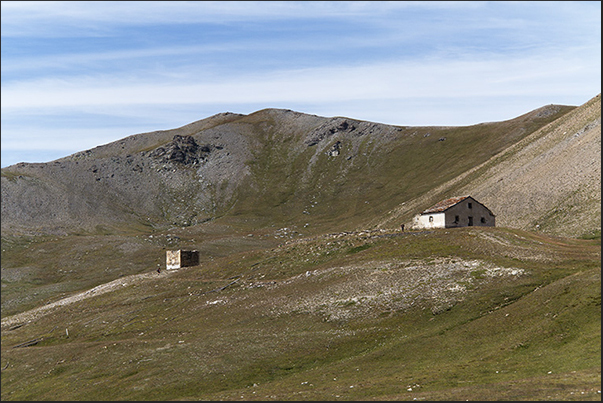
(470, 221)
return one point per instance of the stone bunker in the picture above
(176, 259)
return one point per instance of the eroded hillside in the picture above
(276, 167)
(307, 288)
(548, 181)
(467, 313)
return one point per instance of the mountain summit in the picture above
(539, 170)
(302, 283)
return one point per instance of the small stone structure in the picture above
(175, 259)
(462, 211)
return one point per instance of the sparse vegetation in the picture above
(596, 235)
(346, 322)
(299, 294)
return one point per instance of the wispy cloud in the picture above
(487, 76)
(160, 12)
(119, 68)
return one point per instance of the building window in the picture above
(456, 218)
(483, 220)
(430, 218)
(469, 205)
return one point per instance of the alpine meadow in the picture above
(312, 282)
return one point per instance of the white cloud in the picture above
(145, 12)
(25, 18)
(494, 76)
(39, 138)
(407, 63)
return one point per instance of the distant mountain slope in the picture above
(271, 167)
(549, 181)
(306, 289)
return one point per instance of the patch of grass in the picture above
(13, 176)
(593, 235)
(224, 344)
(359, 248)
(478, 274)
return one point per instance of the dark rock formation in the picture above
(182, 150)
(337, 125)
(335, 150)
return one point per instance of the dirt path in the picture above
(35, 313)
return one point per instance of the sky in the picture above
(78, 74)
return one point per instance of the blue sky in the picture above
(76, 75)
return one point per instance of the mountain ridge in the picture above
(559, 170)
(307, 288)
(275, 158)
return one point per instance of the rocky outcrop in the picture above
(328, 129)
(335, 149)
(271, 166)
(182, 150)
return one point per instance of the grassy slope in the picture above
(218, 344)
(335, 193)
(180, 336)
(548, 181)
(40, 269)
(372, 174)
(379, 167)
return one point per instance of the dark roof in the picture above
(444, 204)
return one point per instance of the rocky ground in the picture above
(550, 181)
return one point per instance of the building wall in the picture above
(469, 213)
(464, 214)
(172, 259)
(189, 258)
(435, 220)
(175, 259)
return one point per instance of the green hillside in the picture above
(307, 288)
(474, 313)
(275, 167)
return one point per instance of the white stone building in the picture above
(175, 259)
(463, 211)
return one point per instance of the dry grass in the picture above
(282, 306)
(356, 316)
